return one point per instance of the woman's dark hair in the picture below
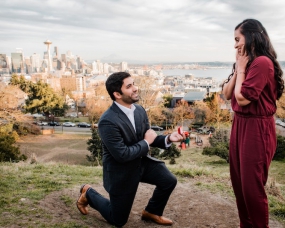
(114, 83)
(257, 43)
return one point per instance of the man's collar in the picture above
(125, 109)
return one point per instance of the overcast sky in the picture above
(133, 30)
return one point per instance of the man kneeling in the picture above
(126, 137)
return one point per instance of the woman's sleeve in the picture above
(256, 78)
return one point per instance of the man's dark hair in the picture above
(114, 83)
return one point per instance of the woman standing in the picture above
(253, 87)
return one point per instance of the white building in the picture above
(36, 62)
(123, 66)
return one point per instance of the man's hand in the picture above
(150, 136)
(176, 137)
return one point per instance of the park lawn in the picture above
(23, 185)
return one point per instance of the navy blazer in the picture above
(124, 148)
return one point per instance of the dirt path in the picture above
(188, 207)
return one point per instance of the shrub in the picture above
(280, 149)
(8, 150)
(172, 161)
(25, 128)
(219, 145)
(171, 152)
(154, 152)
(95, 147)
(220, 150)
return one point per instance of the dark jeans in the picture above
(116, 210)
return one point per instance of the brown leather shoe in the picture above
(155, 218)
(82, 202)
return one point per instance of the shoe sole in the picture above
(150, 220)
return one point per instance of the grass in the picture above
(212, 173)
(24, 185)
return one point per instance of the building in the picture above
(123, 66)
(36, 63)
(106, 68)
(80, 82)
(17, 61)
(4, 66)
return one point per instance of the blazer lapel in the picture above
(138, 122)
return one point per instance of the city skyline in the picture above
(136, 31)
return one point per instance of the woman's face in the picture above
(239, 42)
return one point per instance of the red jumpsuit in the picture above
(253, 143)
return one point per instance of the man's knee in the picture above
(120, 222)
(173, 181)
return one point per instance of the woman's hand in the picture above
(241, 60)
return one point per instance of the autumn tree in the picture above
(217, 115)
(97, 104)
(280, 112)
(182, 111)
(151, 99)
(201, 112)
(9, 97)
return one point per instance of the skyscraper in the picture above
(124, 66)
(35, 61)
(17, 63)
(3, 64)
(3, 61)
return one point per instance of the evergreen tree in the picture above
(8, 150)
(95, 148)
(41, 97)
(280, 149)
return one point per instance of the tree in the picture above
(280, 112)
(201, 112)
(95, 148)
(41, 97)
(280, 149)
(8, 150)
(151, 99)
(98, 103)
(181, 112)
(9, 99)
(217, 115)
(167, 100)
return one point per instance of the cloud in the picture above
(180, 30)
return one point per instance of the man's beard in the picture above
(130, 100)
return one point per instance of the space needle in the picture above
(48, 43)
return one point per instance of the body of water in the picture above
(218, 74)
